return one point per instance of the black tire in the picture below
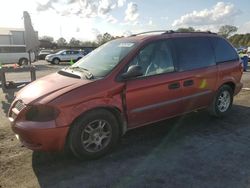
(23, 61)
(86, 134)
(55, 61)
(222, 102)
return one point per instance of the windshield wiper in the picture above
(88, 74)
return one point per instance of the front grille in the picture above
(19, 105)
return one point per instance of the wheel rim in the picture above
(24, 62)
(96, 135)
(56, 61)
(224, 101)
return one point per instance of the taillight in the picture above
(41, 113)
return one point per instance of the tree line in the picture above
(73, 42)
(227, 31)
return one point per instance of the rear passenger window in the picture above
(223, 51)
(193, 53)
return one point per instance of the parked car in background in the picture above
(64, 56)
(43, 53)
(248, 53)
(124, 84)
(15, 54)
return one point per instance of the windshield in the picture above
(61, 51)
(102, 60)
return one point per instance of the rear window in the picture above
(193, 53)
(224, 52)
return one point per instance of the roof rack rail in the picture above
(156, 31)
(196, 32)
(171, 31)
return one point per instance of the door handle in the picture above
(175, 85)
(187, 83)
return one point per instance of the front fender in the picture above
(69, 115)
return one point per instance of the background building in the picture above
(12, 36)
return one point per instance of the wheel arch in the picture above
(22, 58)
(229, 83)
(56, 58)
(122, 123)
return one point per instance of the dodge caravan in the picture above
(124, 84)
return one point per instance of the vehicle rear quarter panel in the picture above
(229, 72)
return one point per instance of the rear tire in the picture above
(23, 61)
(222, 102)
(94, 134)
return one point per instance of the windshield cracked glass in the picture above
(102, 61)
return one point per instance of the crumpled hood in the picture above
(49, 87)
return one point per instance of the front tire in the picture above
(222, 102)
(94, 134)
(55, 61)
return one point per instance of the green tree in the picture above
(47, 38)
(239, 40)
(88, 44)
(61, 42)
(74, 42)
(227, 30)
(188, 29)
(101, 39)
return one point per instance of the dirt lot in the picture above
(195, 150)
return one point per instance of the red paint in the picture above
(133, 99)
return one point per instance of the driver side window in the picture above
(155, 58)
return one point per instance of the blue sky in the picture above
(84, 19)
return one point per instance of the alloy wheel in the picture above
(96, 135)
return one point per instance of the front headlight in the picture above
(48, 57)
(41, 113)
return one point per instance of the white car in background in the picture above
(15, 54)
(64, 56)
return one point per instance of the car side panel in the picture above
(151, 99)
(230, 72)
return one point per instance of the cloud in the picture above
(111, 19)
(121, 3)
(150, 22)
(221, 14)
(83, 8)
(244, 28)
(105, 6)
(95, 31)
(46, 6)
(131, 13)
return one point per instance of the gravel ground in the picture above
(194, 150)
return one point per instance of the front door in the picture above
(155, 95)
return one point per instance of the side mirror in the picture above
(133, 71)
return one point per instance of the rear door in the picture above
(155, 95)
(76, 55)
(197, 70)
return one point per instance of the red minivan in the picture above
(124, 84)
